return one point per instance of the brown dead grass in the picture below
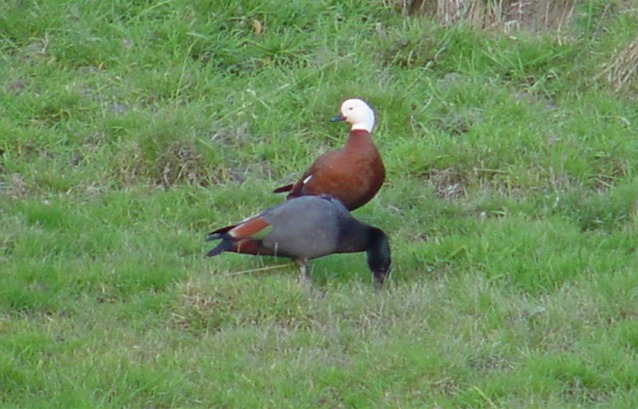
(449, 183)
(541, 16)
(180, 162)
(622, 72)
(504, 15)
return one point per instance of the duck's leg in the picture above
(306, 279)
(304, 274)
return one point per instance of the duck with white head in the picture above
(353, 174)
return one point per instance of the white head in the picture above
(357, 113)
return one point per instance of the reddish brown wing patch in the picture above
(250, 246)
(249, 228)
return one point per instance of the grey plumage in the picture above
(305, 228)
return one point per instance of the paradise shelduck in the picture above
(305, 228)
(352, 174)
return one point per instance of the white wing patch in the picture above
(307, 179)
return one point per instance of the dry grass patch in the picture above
(503, 15)
(449, 183)
(622, 72)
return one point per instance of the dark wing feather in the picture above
(283, 189)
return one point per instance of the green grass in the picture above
(130, 130)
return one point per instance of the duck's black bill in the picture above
(338, 118)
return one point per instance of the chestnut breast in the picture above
(353, 174)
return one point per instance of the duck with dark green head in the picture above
(305, 228)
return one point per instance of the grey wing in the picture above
(306, 227)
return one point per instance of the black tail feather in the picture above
(225, 245)
(282, 189)
(214, 236)
(219, 233)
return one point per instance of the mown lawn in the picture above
(128, 130)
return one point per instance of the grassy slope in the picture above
(127, 132)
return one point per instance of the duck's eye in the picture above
(350, 109)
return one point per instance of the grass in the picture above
(128, 131)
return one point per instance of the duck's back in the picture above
(306, 227)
